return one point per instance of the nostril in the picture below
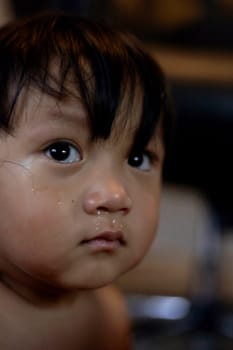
(101, 209)
(104, 210)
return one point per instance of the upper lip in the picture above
(108, 236)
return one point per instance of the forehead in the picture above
(35, 107)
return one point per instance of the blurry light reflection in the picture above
(160, 307)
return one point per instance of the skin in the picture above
(51, 208)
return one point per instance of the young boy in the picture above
(83, 132)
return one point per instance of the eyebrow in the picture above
(53, 121)
(61, 112)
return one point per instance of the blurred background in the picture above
(181, 295)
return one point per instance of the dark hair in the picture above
(104, 63)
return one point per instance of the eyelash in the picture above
(67, 154)
(70, 153)
(140, 156)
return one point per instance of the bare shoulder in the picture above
(111, 320)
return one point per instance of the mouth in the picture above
(108, 241)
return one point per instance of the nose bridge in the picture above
(106, 190)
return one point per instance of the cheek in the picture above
(33, 232)
(145, 222)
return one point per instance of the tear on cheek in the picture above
(24, 165)
(18, 172)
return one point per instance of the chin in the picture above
(92, 276)
(99, 281)
(69, 284)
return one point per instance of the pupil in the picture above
(60, 151)
(135, 160)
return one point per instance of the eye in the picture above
(63, 152)
(140, 160)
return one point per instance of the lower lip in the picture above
(100, 244)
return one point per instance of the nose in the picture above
(108, 195)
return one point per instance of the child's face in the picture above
(75, 213)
